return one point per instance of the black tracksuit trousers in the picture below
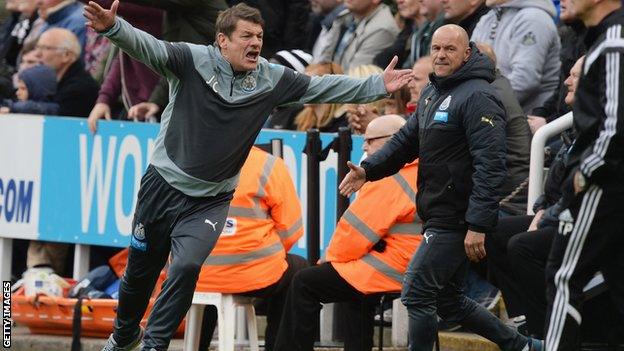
(166, 222)
(590, 238)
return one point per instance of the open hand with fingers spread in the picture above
(98, 18)
(353, 181)
(396, 79)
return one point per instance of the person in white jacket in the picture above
(524, 37)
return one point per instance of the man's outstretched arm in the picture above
(341, 88)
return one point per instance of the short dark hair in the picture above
(226, 22)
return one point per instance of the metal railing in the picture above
(536, 170)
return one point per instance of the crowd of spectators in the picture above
(51, 64)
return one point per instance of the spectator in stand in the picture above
(571, 33)
(64, 14)
(422, 68)
(36, 87)
(518, 249)
(286, 23)
(517, 140)
(10, 17)
(396, 104)
(524, 37)
(12, 35)
(464, 13)
(359, 34)
(359, 115)
(127, 80)
(28, 58)
(367, 255)
(406, 44)
(324, 14)
(13, 41)
(433, 13)
(324, 117)
(59, 49)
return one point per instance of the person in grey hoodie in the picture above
(524, 37)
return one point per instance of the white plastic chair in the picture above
(226, 312)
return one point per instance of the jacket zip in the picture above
(430, 105)
(232, 84)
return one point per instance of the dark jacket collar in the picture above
(593, 33)
(76, 69)
(469, 23)
(478, 66)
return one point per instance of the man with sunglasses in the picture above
(367, 255)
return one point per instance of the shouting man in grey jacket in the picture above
(525, 40)
(219, 99)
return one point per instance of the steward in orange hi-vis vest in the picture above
(250, 257)
(263, 223)
(383, 210)
(367, 256)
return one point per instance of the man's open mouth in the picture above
(252, 56)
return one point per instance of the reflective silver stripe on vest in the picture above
(285, 234)
(405, 186)
(406, 228)
(382, 267)
(221, 260)
(264, 177)
(360, 226)
(246, 212)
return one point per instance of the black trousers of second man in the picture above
(322, 284)
(434, 284)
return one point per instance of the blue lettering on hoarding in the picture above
(16, 200)
(24, 199)
(103, 176)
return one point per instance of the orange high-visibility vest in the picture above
(264, 222)
(386, 210)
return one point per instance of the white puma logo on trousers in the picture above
(214, 225)
(427, 237)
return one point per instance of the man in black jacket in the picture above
(590, 226)
(59, 49)
(458, 133)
